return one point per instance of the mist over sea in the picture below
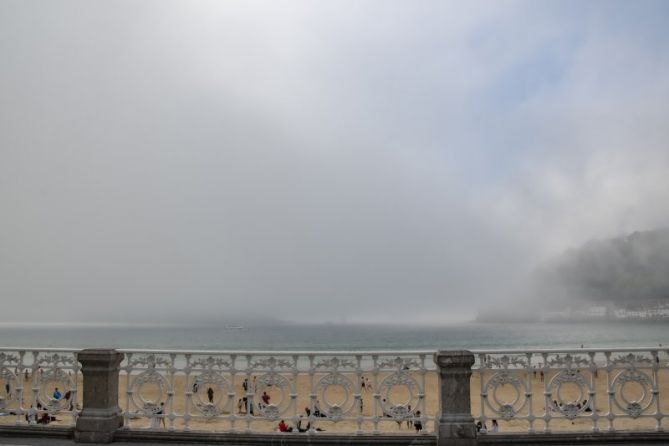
(341, 336)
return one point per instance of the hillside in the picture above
(625, 271)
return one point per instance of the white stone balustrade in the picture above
(350, 395)
(254, 391)
(39, 386)
(597, 390)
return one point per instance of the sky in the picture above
(349, 161)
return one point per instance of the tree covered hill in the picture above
(626, 271)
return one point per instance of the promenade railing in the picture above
(597, 390)
(409, 397)
(39, 386)
(235, 391)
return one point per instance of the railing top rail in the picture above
(41, 349)
(284, 352)
(349, 352)
(570, 350)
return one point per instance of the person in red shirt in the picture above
(283, 427)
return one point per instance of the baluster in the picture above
(376, 395)
(530, 392)
(233, 380)
(19, 389)
(593, 392)
(656, 391)
(610, 392)
(188, 392)
(548, 403)
(128, 391)
(421, 395)
(359, 401)
(249, 393)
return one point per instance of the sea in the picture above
(357, 337)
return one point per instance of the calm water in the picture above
(343, 337)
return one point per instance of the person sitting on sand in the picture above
(31, 416)
(283, 427)
(299, 425)
(44, 419)
(417, 423)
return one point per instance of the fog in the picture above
(378, 161)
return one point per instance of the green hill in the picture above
(626, 271)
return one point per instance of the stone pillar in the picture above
(455, 422)
(101, 415)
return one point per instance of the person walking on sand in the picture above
(161, 413)
(210, 394)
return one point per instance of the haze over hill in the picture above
(630, 271)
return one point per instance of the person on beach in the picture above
(31, 416)
(299, 425)
(283, 427)
(44, 419)
(161, 414)
(495, 427)
(417, 424)
(57, 395)
(265, 399)
(210, 394)
(67, 397)
(155, 421)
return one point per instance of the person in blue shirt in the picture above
(57, 395)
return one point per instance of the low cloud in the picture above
(345, 162)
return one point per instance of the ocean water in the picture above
(342, 337)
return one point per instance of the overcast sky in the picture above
(318, 161)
